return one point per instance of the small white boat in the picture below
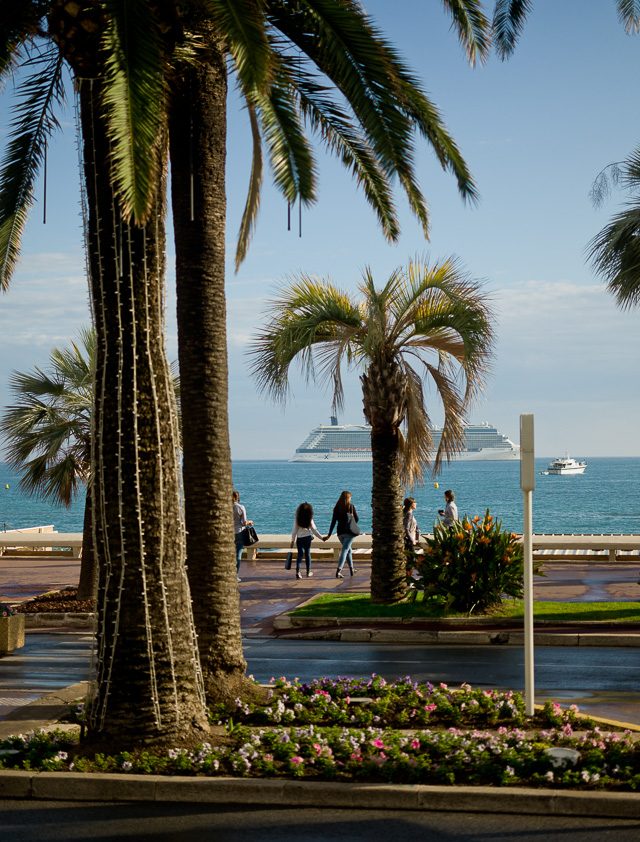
(565, 465)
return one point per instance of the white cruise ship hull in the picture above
(486, 454)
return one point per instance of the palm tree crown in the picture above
(48, 430)
(426, 322)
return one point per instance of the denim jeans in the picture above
(239, 549)
(345, 552)
(304, 548)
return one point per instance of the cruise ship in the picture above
(352, 443)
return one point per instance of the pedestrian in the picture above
(240, 523)
(450, 512)
(411, 531)
(302, 535)
(345, 518)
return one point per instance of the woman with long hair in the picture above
(302, 535)
(240, 523)
(345, 519)
(411, 531)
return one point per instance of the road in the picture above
(166, 822)
(604, 681)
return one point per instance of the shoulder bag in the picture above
(352, 525)
(249, 536)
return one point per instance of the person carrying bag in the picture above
(346, 519)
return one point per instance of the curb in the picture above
(42, 713)
(73, 786)
(333, 631)
(55, 620)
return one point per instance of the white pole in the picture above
(527, 484)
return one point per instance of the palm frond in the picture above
(134, 94)
(472, 27)
(346, 141)
(32, 125)
(344, 46)
(292, 163)
(306, 314)
(250, 213)
(418, 441)
(615, 255)
(508, 22)
(629, 15)
(20, 23)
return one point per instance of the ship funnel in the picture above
(334, 421)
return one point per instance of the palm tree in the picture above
(149, 687)
(427, 323)
(48, 436)
(318, 66)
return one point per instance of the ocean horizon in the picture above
(605, 499)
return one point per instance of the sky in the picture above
(535, 130)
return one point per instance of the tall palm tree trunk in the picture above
(149, 688)
(198, 151)
(88, 564)
(388, 569)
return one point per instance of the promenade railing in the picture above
(547, 548)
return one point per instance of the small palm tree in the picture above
(426, 323)
(48, 435)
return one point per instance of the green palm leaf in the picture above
(629, 14)
(508, 22)
(134, 95)
(33, 124)
(472, 27)
(252, 205)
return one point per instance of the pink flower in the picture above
(429, 708)
(415, 743)
(380, 760)
(296, 761)
(377, 743)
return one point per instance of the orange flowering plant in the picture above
(470, 566)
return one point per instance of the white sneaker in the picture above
(310, 573)
(298, 575)
(239, 579)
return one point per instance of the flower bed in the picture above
(490, 750)
(399, 704)
(508, 756)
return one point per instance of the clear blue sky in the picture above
(535, 130)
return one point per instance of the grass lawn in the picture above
(360, 606)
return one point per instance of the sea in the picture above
(605, 499)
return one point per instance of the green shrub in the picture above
(471, 565)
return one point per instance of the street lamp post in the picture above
(527, 484)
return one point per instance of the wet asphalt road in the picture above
(604, 681)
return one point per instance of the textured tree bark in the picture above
(198, 152)
(149, 687)
(88, 565)
(388, 566)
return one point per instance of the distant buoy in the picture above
(435, 485)
(6, 486)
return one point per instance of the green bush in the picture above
(470, 566)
